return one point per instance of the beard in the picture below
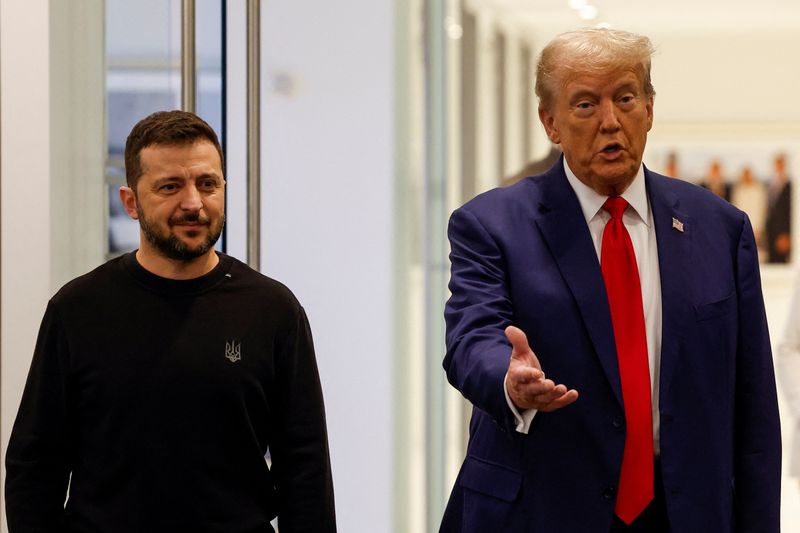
(172, 247)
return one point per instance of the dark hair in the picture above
(166, 128)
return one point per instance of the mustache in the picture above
(196, 218)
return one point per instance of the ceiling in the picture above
(740, 16)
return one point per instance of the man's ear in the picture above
(128, 199)
(549, 123)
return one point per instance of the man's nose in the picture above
(608, 116)
(191, 199)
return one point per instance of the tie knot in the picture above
(615, 205)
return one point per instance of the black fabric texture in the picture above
(151, 403)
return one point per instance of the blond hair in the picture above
(591, 50)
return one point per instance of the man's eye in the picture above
(584, 105)
(208, 185)
(628, 98)
(168, 187)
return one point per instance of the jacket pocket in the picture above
(716, 309)
(490, 479)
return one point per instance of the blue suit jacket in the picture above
(524, 256)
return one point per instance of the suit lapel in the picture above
(674, 263)
(564, 229)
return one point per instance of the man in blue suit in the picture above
(607, 324)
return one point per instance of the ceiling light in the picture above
(454, 29)
(588, 12)
(577, 4)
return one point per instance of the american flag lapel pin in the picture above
(677, 224)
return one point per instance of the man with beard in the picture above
(162, 379)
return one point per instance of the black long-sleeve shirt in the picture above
(156, 400)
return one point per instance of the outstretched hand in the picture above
(526, 384)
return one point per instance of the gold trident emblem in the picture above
(233, 351)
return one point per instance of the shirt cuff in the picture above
(523, 418)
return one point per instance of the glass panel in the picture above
(143, 76)
(143, 57)
(444, 433)
(209, 21)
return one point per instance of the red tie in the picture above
(618, 263)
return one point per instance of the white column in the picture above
(25, 251)
(486, 123)
(327, 222)
(52, 153)
(77, 139)
(514, 157)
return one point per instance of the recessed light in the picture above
(588, 12)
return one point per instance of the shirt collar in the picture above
(592, 202)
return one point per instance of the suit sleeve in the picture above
(476, 315)
(757, 446)
(37, 459)
(300, 456)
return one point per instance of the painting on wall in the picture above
(755, 177)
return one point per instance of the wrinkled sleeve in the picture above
(37, 458)
(476, 315)
(300, 456)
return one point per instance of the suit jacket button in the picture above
(618, 421)
(609, 493)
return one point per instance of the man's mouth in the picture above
(190, 221)
(611, 151)
(189, 224)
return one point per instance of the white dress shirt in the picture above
(638, 220)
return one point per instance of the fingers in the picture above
(520, 349)
(526, 383)
(521, 374)
(518, 340)
(535, 392)
(562, 401)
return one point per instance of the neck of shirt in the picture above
(177, 287)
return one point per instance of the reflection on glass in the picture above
(143, 54)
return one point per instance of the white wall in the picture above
(77, 139)
(52, 156)
(731, 77)
(25, 204)
(327, 184)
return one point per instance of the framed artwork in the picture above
(756, 176)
